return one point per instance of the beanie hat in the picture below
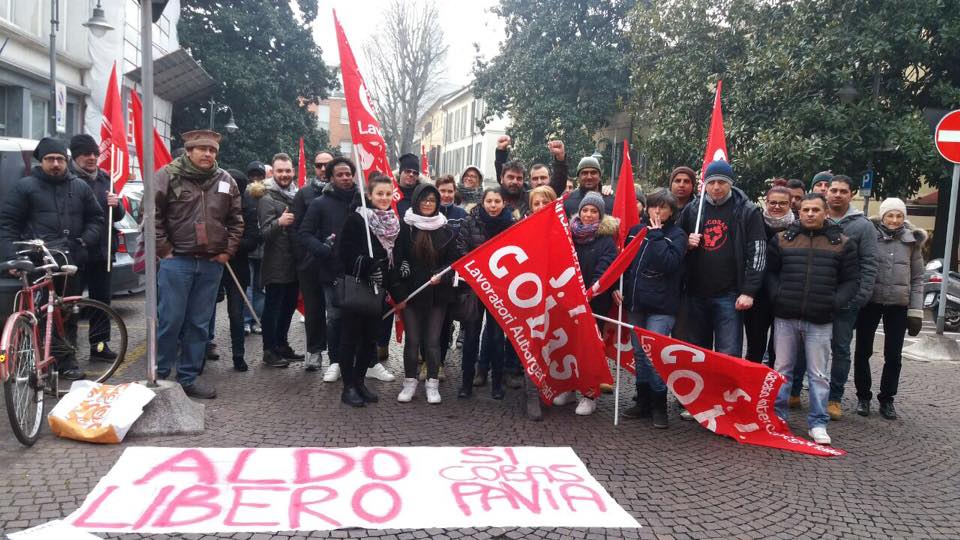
(592, 198)
(893, 204)
(822, 176)
(83, 144)
(409, 162)
(49, 145)
(256, 167)
(719, 170)
(683, 169)
(588, 162)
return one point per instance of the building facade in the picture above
(332, 117)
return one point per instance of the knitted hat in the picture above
(588, 162)
(592, 198)
(49, 145)
(201, 137)
(683, 169)
(256, 167)
(719, 170)
(822, 176)
(892, 204)
(83, 144)
(409, 162)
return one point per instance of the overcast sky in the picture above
(463, 22)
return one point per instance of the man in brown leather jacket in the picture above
(199, 224)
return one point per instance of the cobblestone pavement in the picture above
(900, 479)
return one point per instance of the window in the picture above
(476, 155)
(3, 105)
(346, 148)
(323, 117)
(27, 14)
(5, 10)
(72, 119)
(38, 118)
(344, 117)
(464, 129)
(469, 154)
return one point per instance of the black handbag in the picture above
(466, 308)
(355, 294)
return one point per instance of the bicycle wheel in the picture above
(23, 391)
(89, 325)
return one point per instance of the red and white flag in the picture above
(622, 352)
(729, 396)
(618, 266)
(114, 156)
(301, 167)
(161, 155)
(716, 140)
(625, 200)
(368, 144)
(530, 281)
(424, 161)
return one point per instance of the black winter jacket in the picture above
(325, 216)
(59, 210)
(812, 273)
(301, 201)
(572, 205)
(97, 252)
(354, 255)
(653, 282)
(595, 257)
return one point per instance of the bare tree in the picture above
(406, 55)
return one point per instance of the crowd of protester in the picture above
(787, 282)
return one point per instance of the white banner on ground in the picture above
(212, 490)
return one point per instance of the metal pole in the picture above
(616, 351)
(54, 26)
(866, 198)
(211, 114)
(948, 255)
(149, 193)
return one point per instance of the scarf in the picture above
(424, 223)
(891, 233)
(780, 223)
(722, 200)
(384, 225)
(185, 169)
(583, 234)
(471, 195)
(494, 225)
(75, 169)
(286, 193)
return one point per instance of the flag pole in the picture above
(366, 223)
(417, 291)
(243, 294)
(109, 229)
(616, 384)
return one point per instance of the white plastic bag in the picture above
(99, 413)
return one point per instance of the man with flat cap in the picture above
(84, 152)
(199, 224)
(53, 205)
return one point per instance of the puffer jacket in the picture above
(325, 216)
(900, 267)
(863, 234)
(183, 206)
(278, 264)
(812, 273)
(100, 184)
(60, 210)
(301, 201)
(653, 282)
(595, 257)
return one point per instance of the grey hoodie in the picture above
(863, 234)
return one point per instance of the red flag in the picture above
(727, 395)
(618, 266)
(114, 156)
(371, 150)
(424, 162)
(161, 155)
(625, 201)
(716, 140)
(622, 353)
(301, 167)
(548, 319)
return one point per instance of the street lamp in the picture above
(97, 24)
(231, 125)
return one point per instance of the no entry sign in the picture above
(947, 137)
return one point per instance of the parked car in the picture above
(16, 159)
(122, 277)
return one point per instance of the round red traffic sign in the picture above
(947, 136)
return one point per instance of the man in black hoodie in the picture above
(55, 206)
(408, 181)
(85, 152)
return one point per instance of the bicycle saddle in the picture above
(17, 264)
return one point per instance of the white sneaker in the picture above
(332, 373)
(409, 389)
(586, 406)
(433, 391)
(685, 415)
(303, 319)
(819, 435)
(312, 362)
(565, 398)
(380, 373)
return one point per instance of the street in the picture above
(899, 478)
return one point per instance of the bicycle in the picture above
(28, 367)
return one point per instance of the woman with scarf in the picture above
(651, 299)
(897, 300)
(426, 245)
(484, 222)
(593, 237)
(358, 340)
(758, 321)
(470, 189)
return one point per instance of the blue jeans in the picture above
(716, 323)
(789, 335)
(187, 294)
(844, 322)
(255, 293)
(654, 322)
(333, 322)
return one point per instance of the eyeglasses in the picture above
(409, 171)
(318, 165)
(55, 159)
(783, 204)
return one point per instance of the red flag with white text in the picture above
(729, 396)
(114, 156)
(424, 162)
(368, 143)
(716, 140)
(530, 281)
(161, 155)
(625, 201)
(301, 167)
(618, 266)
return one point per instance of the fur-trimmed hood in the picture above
(911, 233)
(257, 189)
(609, 226)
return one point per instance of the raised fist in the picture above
(557, 149)
(503, 142)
